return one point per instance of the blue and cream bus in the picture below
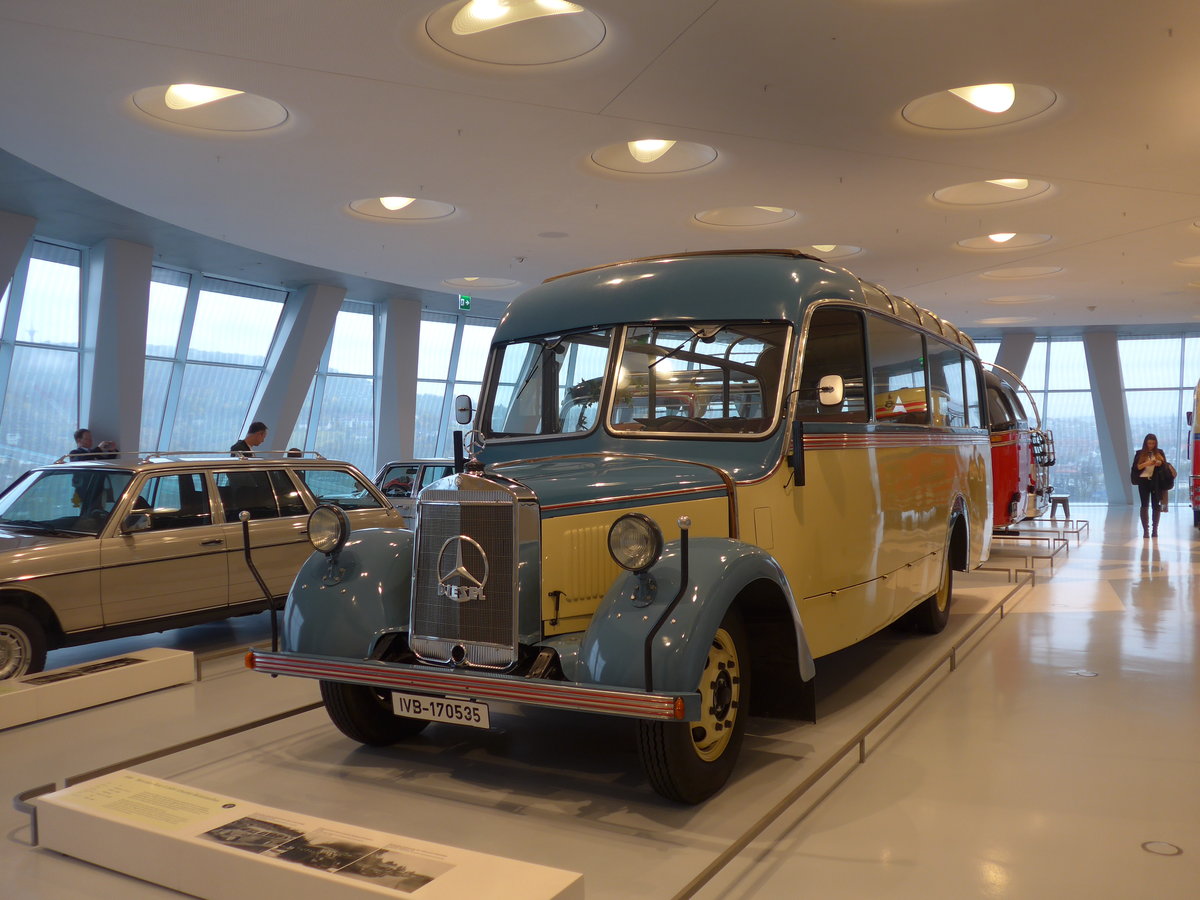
(692, 476)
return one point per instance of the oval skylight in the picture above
(479, 282)
(1017, 299)
(1008, 320)
(401, 209)
(515, 32)
(1018, 272)
(965, 109)
(1006, 240)
(832, 251)
(654, 156)
(745, 216)
(991, 192)
(209, 107)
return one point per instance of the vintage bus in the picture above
(691, 476)
(1022, 451)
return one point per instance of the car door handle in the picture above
(212, 542)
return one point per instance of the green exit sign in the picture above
(464, 302)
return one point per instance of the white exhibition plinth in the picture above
(65, 690)
(220, 848)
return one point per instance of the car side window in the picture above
(291, 502)
(434, 473)
(174, 501)
(247, 490)
(339, 488)
(397, 481)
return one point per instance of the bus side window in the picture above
(834, 347)
(898, 373)
(946, 384)
(974, 409)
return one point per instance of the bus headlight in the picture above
(328, 528)
(635, 542)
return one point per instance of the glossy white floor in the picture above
(1019, 775)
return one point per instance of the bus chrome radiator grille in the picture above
(464, 582)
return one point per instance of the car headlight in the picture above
(635, 542)
(328, 528)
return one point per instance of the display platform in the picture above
(221, 848)
(69, 689)
(566, 790)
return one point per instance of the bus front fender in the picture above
(339, 606)
(721, 572)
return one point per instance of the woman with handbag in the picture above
(1154, 476)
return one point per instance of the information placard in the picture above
(218, 847)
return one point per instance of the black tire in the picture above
(933, 614)
(364, 714)
(690, 761)
(22, 643)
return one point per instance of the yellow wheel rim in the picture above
(720, 693)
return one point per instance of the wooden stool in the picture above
(1063, 500)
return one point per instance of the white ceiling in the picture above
(800, 99)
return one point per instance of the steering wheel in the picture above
(678, 423)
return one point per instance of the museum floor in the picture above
(1061, 758)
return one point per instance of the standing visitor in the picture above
(1154, 476)
(255, 436)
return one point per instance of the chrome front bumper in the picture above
(484, 688)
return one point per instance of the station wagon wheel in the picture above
(22, 643)
(933, 614)
(364, 714)
(691, 761)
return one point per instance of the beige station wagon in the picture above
(96, 550)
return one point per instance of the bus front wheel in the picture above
(690, 761)
(364, 714)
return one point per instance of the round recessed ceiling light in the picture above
(1008, 320)
(978, 106)
(401, 209)
(1004, 240)
(1020, 298)
(834, 251)
(209, 107)
(654, 156)
(745, 216)
(515, 32)
(479, 282)
(991, 192)
(1018, 272)
(1188, 261)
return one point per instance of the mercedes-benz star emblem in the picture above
(466, 586)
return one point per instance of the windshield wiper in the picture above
(697, 333)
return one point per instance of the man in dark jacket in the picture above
(255, 436)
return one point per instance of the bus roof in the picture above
(711, 285)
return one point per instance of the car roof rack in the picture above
(156, 456)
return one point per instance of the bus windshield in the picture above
(699, 378)
(532, 380)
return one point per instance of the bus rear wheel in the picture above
(933, 614)
(364, 714)
(690, 761)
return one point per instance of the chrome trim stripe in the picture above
(858, 441)
(623, 498)
(529, 692)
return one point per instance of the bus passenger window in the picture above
(834, 347)
(974, 409)
(946, 384)
(898, 373)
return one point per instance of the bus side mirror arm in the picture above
(796, 456)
